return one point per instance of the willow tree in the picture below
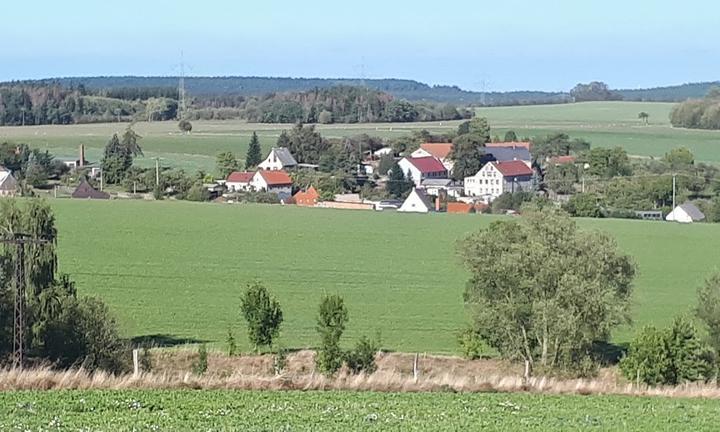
(543, 291)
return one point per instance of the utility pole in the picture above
(157, 172)
(673, 196)
(19, 241)
(181, 89)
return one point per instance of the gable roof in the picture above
(504, 154)
(275, 178)
(309, 194)
(692, 211)
(562, 160)
(427, 164)
(516, 144)
(439, 150)
(420, 195)
(240, 176)
(7, 181)
(84, 190)
(513, 168)
(284, 156)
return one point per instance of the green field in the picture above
(178, 268)
(314, 411)
(602, 123)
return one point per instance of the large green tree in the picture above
(607, 163)
(225, 163)
(116, 162)
(467, 155)
(254, 153)
(708, 309)
(559, 144)
(542, 290)
(398, 185)
(131, 141)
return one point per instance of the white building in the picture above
(8, 184)
(496, 178)
(685, 213)
(277, 182)
(423, 168)
(279, 158)
(416, 202)
(239, 181)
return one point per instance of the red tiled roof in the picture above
(439, 150)
(561, 160)
(427, 164)
(240, 177)
(274, 178)
(308, 197)
(523, 144)
(513, 168)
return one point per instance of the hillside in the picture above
(677, 93)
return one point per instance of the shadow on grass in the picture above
(163, 340)
(608, 353)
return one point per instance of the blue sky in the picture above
(499, 45)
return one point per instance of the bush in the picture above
(673, 356)
(201, 365)
(362, 357)
(146, 363)
(185, 126)
(332, 317)
(471, 344)
(280, 360)
(232, 346)
(584, 205)
(263, 315)
(198, 192)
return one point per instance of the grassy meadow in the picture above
(602, 123)
(139, 410)
(177, 269)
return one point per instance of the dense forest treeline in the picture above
(27, 104)
(399, 88)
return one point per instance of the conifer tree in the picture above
(254, 155)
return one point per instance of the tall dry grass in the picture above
(255, 373)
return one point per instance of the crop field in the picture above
(314, 411)
(176, 270)
(602, 123)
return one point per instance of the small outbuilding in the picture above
(416, 202)
(685, 213)
(308, 198)
(85, 191)
(8, 184)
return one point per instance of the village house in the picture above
(239, 181)
(307, 198)
(277, 182)
(441, 151)
(423, 168)
(685, 213)
(416, 202)
(279, 159)
(496, 178)
(512, 144)
(8, 184)
(437, 186)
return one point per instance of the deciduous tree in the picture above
(331, 321)
(263, 315)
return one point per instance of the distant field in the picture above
(608, 124)
(603, 123)
(179, 268)
(154, 410)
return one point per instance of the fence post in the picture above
(136, 362)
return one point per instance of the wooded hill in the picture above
(400, 88)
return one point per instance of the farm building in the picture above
(685, 213)
(423, 168)
(496, 178)
(459, 207)
(279, 159)
(416, 202)
(85, 191)
(308, 198)
(441, 151)
(277, 182)
(238, 181)
(438, 186)
(8, 184)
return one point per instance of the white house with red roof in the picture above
(422, 168)
(441, 151)
(496, 178)
(278, 182)
(238, 181)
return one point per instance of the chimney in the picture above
(81, 162)
(437, 204)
